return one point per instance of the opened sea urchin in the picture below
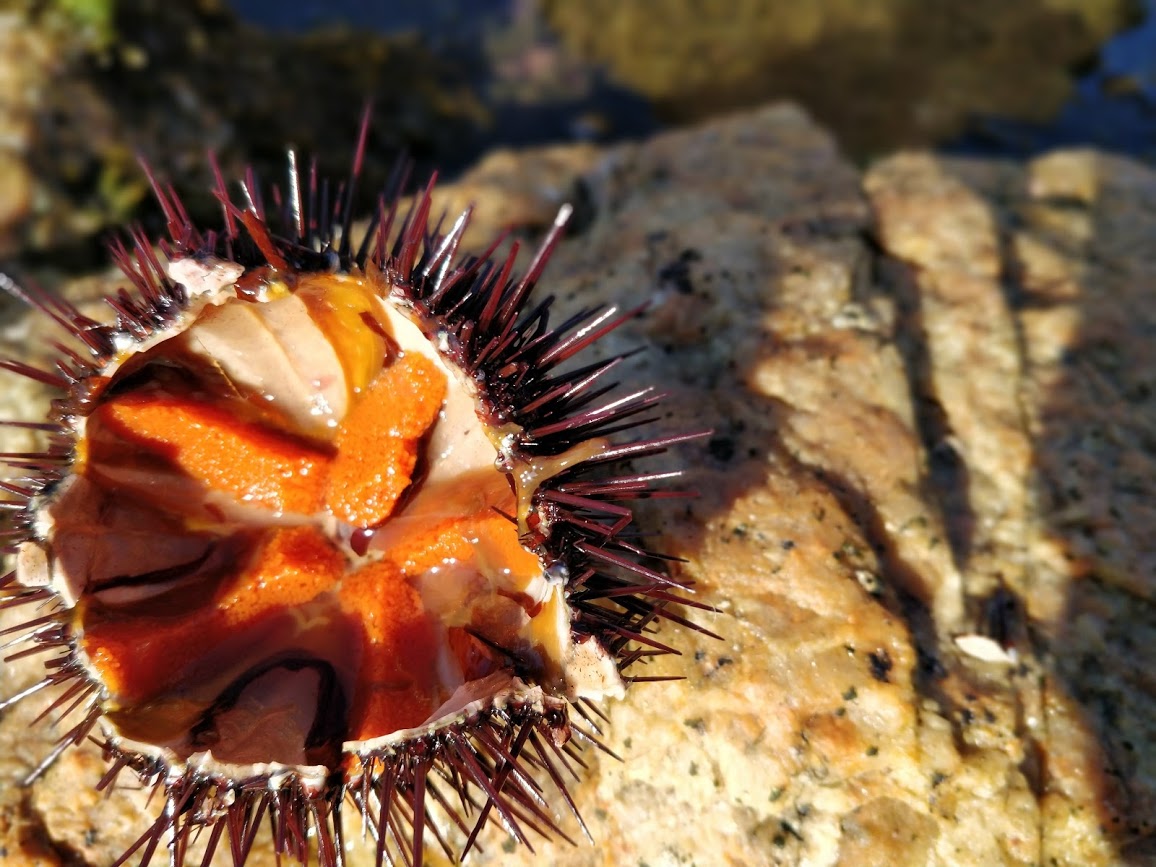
(326, 526)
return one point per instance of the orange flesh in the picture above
(138, 657)
(398, 681)
(211, 446)
(377, 443)
(389, 643)
(483, 536)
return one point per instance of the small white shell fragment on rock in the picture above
(985, 649)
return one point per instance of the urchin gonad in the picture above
(323, 525)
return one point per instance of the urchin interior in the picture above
(285, 532)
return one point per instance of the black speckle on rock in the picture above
(585, 211)
(881, 665)
(677, 272)
(660, 174)
(721, 448)
(930, 665)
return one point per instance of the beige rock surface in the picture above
(25, 67)
(931, 391)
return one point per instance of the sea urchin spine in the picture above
(323, 526)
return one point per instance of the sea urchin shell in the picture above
(323, 526)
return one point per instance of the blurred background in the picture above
(87, 85)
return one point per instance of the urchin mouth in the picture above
(276, 558)
(245, 735)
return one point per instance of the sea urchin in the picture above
(323, 525)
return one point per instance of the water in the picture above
(539, 92)
(1113, 107)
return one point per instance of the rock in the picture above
(26, 58)
(16, 181)
(930, 396)
(1035, 347)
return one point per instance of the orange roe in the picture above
(397, 685)
(142, 656)
(429, 545)
(379, 440)
(393, 642)
(210, 445)
(498, 547)
(295, 567)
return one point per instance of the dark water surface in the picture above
(451, 80)
(546, 75)
(1113, 106)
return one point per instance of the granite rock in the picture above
(924, 507)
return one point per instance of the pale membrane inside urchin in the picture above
(276, 350)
